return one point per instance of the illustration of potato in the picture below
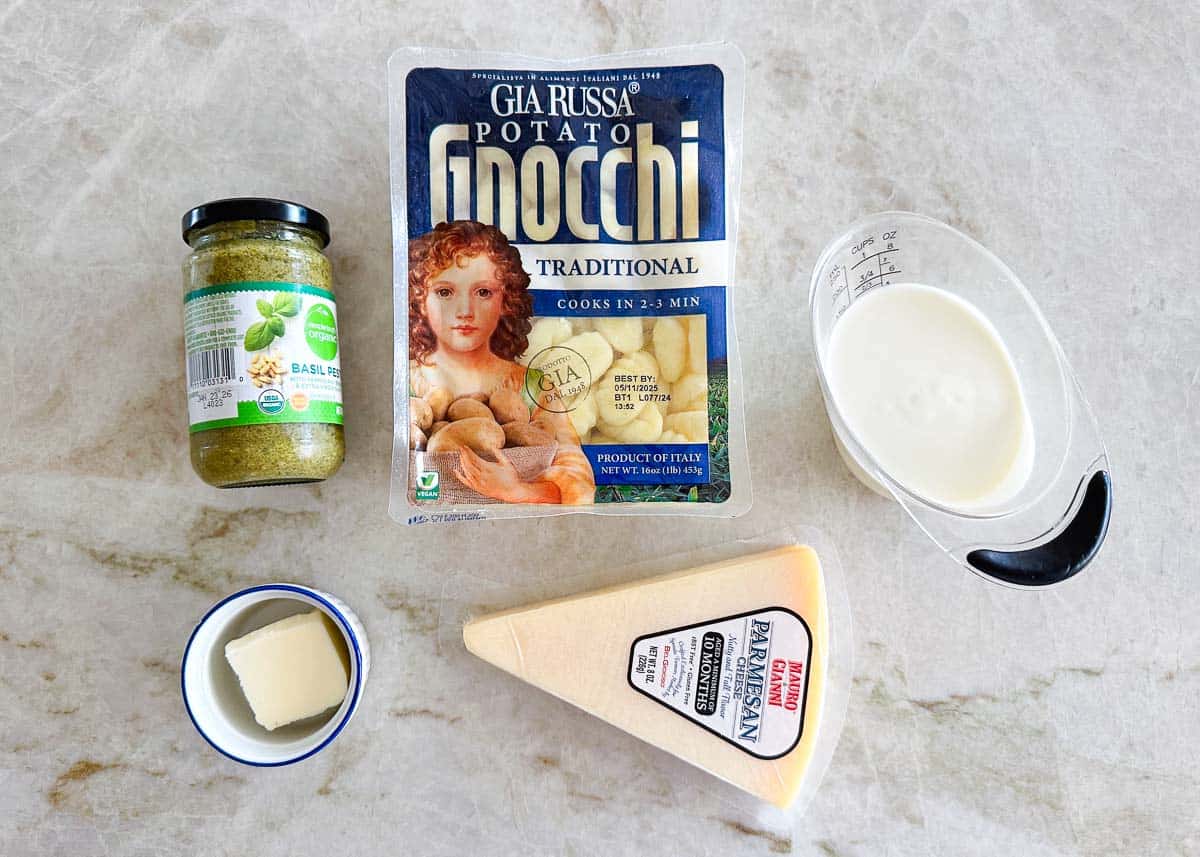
(483, 435)
(419, 412)
(526, 434)
(439, 399)
(467, 407)
(508, 406)
(546, 421)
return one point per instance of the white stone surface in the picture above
(983, 721)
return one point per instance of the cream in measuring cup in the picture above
(929, 388)
(948, 392)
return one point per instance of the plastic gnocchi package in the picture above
(563, 237)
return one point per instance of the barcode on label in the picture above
(208, 367)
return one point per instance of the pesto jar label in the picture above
(261, 353)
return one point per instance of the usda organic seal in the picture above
(271, 402)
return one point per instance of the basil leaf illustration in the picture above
(258, 336)
(275, 325)
(264, 308)
(286, 304)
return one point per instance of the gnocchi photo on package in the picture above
(564, 240)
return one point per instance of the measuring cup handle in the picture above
(1063, 556)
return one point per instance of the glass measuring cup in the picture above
(1053, 527)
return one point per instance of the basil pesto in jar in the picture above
(260, 331)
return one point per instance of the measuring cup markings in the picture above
(881, 272)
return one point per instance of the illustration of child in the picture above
(469, 309)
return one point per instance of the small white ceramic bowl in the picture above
(214, 699)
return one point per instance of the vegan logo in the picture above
(428, 485)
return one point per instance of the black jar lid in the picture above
(255, 208)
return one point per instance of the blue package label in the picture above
(568, 244)
(649, 464)
(707, 301)
(612, 156)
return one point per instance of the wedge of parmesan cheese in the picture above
(722, 665)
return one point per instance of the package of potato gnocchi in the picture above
(563, 237)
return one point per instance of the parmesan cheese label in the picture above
(743, 678)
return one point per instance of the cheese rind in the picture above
(611, 631)
(291, 669)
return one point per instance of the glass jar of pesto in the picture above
(260, 332)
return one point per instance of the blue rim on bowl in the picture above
(348, 706)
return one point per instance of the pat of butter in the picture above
(291, 669)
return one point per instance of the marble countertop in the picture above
(982, 721)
